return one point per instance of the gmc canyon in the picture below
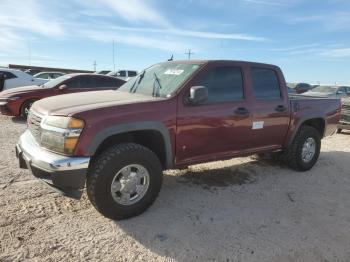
(172, 115)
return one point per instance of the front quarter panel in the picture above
(101, 123)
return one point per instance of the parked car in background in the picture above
(329, 91)
(124, 74)
(11, 78)
(48, 75)
(291, 90)
(103, 72)
(172, 115)
(344, 122)
(302, 88)
(17, 101)
(32, 71)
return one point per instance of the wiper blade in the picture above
(157, 88)
(138, 80)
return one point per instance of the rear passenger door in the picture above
(270, 108)
(219, 127)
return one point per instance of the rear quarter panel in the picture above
(303, 109)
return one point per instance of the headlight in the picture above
(61, 134)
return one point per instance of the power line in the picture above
(189, 53)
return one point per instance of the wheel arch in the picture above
(318, 122)
(153, 135)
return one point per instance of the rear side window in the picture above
(265, 83)
(224, 84)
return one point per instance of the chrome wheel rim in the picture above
(309, 149)
(26, 110)
(130, 184)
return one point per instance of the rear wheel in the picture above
(339, 130)
(124, 181)
(305, 149)
(26, 107)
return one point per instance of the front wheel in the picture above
(305, 149)
(124, 181)
(26, 107)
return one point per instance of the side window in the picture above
(122, 73)
(7, 75)
(132, 73)
(104, 82)
(76, 82)
(44, 76)
(265, 83)
(224, 84)
(342, 89)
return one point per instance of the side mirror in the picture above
(198, 95)
(62, 87)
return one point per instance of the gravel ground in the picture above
(236, 210)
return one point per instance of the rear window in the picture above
(265, 83)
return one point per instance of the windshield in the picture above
(325, 89)
(160, 80)
(57, 81)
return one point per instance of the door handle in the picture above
(280, 108)
(242, 111)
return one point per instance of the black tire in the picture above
(293, 155)
(25, 108)
(103, 170)
(339, 130)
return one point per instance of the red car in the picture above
(172, 115)
(17, 101)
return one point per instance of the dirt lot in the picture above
(237, 210)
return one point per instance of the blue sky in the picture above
(308, 39)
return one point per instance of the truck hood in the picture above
(69, 104)
(20, 90)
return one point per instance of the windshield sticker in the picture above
(176, 72)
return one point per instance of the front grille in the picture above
(345, 118)
(34, 121)
(346, 106)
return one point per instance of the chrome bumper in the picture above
(46, 160)
(67, 174)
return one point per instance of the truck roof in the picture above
(222, 61)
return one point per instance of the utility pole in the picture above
(113, 57)
(29, 52)
(95, 65)
(189, 53)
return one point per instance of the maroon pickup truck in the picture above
(17, 101)
(172, 115)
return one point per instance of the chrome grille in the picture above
(33, 122)
(346, 106)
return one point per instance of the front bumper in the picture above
(65, 174)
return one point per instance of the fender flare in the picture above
(130, 127)
(301, 122)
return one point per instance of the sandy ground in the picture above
(237, 210)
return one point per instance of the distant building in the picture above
(37, 69)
